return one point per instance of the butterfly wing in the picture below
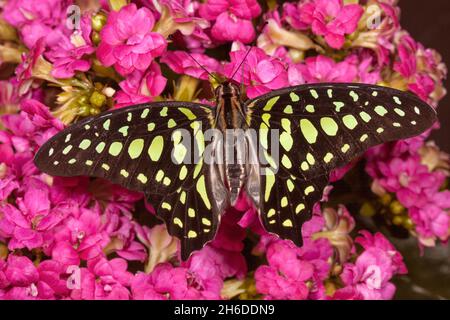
(322, 127)
(154, 148)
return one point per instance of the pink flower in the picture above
(104, 280)
(286, 275)
(398, 168)
(68, 53)
(177, 283)
(27, 225)
(230, 235)
(379, 241)
(260, 72)
(232, 19)
(406, 64)
(142, 288)
(21, 280)
(127, 41)
(369, 276)
(80, 237)
(7, 185)
(30, 61)
(120, 229)
(367, 71)
(118, 204)
(418, 66)
(328, 18)
(140, 87)
(211, 262)
(423, 86)
(321, 69)
(36, 20)
(35, 123)
(182, 63)
(407, 177)
(432, 220)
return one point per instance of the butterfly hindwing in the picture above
(192, 213)
(322, 127)
(154, 148)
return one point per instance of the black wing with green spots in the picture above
(143, 148)
(322, 127)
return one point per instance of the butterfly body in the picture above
(192, 179)
(230, 121)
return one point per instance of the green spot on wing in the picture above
(270, 103)
(294, 97)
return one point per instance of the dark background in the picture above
(428, 22)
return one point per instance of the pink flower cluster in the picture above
(330, 19)
(300, 273)
(400, 169)
(84, 238)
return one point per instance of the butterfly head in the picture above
(227, 89)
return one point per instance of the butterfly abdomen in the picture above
(231, 122)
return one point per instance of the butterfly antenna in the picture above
(206, 70)
(240, 64)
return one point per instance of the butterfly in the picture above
(160, 149)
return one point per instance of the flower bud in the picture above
(98, 21)
(95, 37)
(408, 224)
(386, 199)
(94, 111)
(396, 207)
(397, 220)
(97, 99)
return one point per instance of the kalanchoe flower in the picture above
(377, 240)
(434, 158)
(377, 33)
(9, 96)
(104, 280)
(211, 262)
(36, 20)
(417, 188)
(328, 18)
(20, 279)
(27, 224)
(140, 87)
(286, 275)
(260, 72)
(80, 238)
(127, 41)
(292, 272)
(34, 66)
(370, 275)
(175, 283)
(321, 69)
(34, 123)
(68, 54)
(232, 19)
(421, 68)
(182, 63)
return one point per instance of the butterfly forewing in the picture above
(322, 127)
(144, 148)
